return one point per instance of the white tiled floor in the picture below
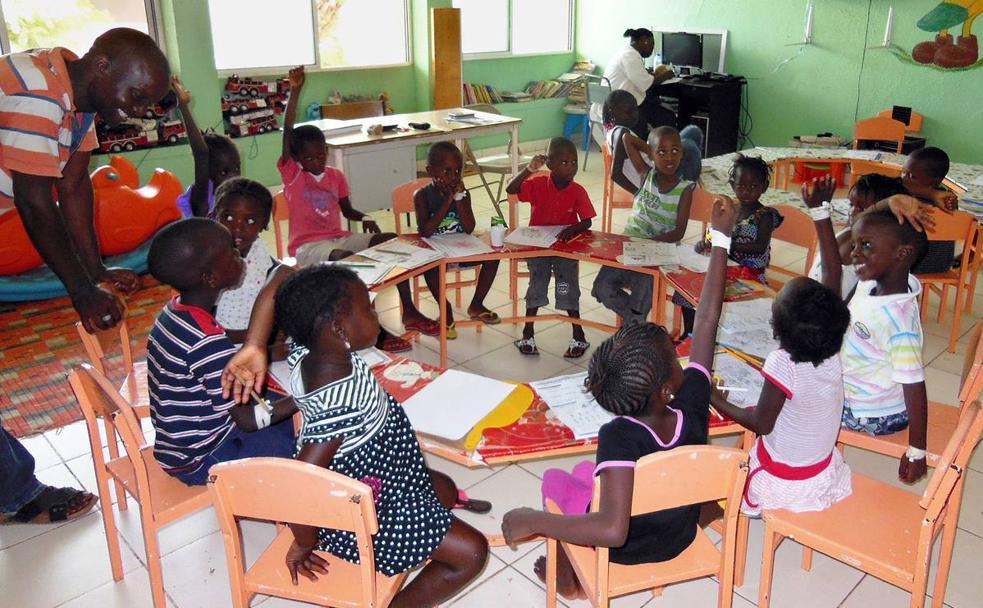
(67, 565)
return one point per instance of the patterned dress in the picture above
(380, 449)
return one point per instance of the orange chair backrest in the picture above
(100, 344)
(513, 211)
(879, 128)
(701, 207)
(403, 200)
(956, 226)
(954, 458)
(866, 167)
(799, 229)
(289, 491)
(281, 213)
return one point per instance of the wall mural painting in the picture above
(954, 46)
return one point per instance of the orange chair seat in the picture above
(166, 492)
(875, 529)
(942, 421)
(342, 583)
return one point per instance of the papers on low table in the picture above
(746, 326)
(452, 404)
(738, 374)
(457, 245)
(534, 236)
(572, 404)
(402, 254)
(370, 272)
(649, 253)
(863, 154)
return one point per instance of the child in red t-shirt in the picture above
(556, 200)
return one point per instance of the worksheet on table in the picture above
(457, 245)
(572, 404)
(401, 254)
(534, 236)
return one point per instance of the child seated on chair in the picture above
(883, 375)
(243, 206)
(635, 374)
(620, 114)
(751, 245)
(354, 427)
(317, 196)
(444, 207)
(660, 213)
(794, 463)
(922, 176)
(186, 352)
(556, 200)
(216, 160)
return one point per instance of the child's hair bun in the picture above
(630, 32)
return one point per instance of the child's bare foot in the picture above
(567, 584)
(483, 314)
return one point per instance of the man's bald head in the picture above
(123, 73)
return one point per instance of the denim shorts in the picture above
(884, 425)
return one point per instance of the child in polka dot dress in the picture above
(352, 426)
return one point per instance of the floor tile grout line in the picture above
(862, 579)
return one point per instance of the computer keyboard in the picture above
(672, 80)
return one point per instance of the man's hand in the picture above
(183, 94)
(122, 279)
(303, 561)
(537, 162)
(98, 308)
(296, 77)
(245, 372)
(910, 471)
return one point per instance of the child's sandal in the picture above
(471, 504)
(576, 349)
(527, 346)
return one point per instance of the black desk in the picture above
(713, 105)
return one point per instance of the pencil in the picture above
(714, 411)
(390, 251)
(731, 389)
(263, 402)
(356, 265)
(575, 237)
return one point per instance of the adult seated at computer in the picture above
(627, 71)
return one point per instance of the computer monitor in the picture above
(679, 48)
(713, 41)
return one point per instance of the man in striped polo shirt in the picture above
(48, 101)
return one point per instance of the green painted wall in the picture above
(826, 86)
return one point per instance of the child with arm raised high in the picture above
(444, 207)
(881, 356)
(636, 375)
(352, 426)
(660, 213)
(216, 160)
(556, 200)
(317, 198)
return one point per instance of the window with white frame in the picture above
(515, 27)
(329, 34)
(73, 24)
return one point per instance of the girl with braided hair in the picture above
(636, 375)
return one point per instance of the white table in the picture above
(376, 164)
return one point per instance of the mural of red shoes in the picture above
(947, 51)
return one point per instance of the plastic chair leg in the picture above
(806, 559)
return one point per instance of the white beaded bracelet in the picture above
(820, 213)
(719, 239)
(913, 453)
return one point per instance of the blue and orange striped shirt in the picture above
(186, 353)
(40, 128)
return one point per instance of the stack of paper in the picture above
(747, 316)
(457, 245)
(370, 273)
(452, 404)
(573, 405)
(534, 236)
(740, 376)
(399, 253)
(649, 253)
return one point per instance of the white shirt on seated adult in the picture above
(626, 70)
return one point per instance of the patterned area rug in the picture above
(39, 345)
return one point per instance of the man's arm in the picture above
(47, 227)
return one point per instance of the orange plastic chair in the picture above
(281, 490)
(280, 214)
(700, 210)
(613, 195)
(884, 530)
(514, 273)
(866, 167)
(796, 229)
(403, 204)
(914, 123)
(162, 498)
(942, 417)
(879, 128)
(957, 226)
(683, 476)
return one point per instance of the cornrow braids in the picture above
(627, 367)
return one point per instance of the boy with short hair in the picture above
(186, 352)
(922, 176)
(556, 200)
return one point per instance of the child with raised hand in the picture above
(883, 375)
(794, 463)
(556, 200)
(444, 207)
(660, 213)
(352, 426)
(216, 160)
(636, 375)
(244, 206)
(317, 198)
(751, 245)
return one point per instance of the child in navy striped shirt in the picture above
(186, 352)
